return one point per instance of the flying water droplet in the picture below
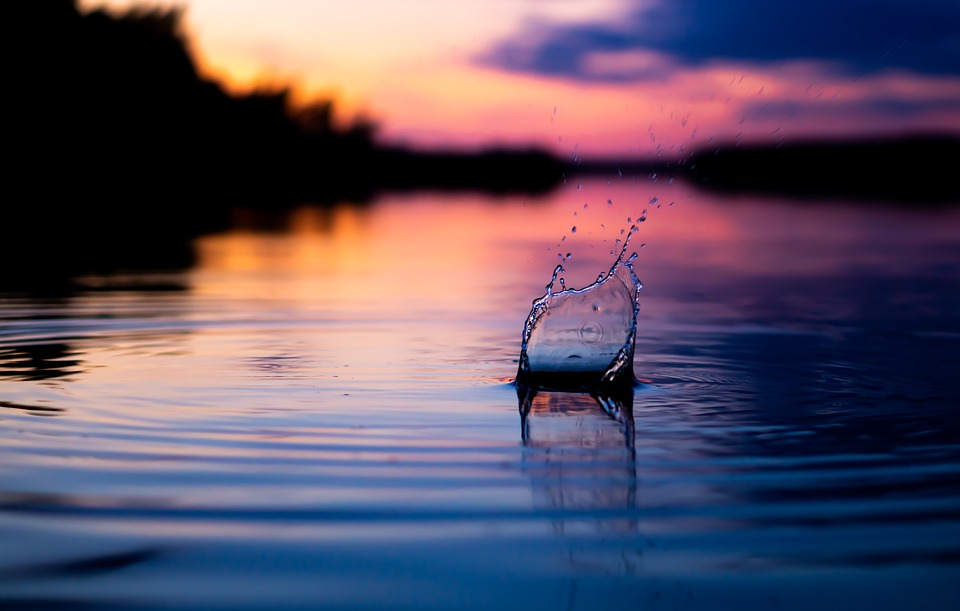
(653, 200)
(573, 229)
(553, 279)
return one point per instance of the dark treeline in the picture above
(113, 107)
(910, 170)
(115, 102)
(123, 151)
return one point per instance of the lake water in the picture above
(319, 414)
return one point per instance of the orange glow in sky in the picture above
(417, 69)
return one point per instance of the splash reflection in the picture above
(579, 452)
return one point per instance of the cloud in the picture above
(855, 37)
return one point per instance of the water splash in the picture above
(583, 339)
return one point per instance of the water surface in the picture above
(320, 414)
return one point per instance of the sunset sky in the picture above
(596, 77)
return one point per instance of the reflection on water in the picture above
(580, 457)
(36, 362)
(320, 414)
(616, 404)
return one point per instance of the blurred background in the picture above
(266, 265)
(197, 107)
(595, 77)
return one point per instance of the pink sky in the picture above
(439, 73)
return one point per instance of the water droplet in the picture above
(563, 239)
(556, 273)
(609, 202)
(596, 306)
(585, 206)
(573, 229)
(622, 231)
(569, 256)
(653, 200)
(579, 187)
(643, 245)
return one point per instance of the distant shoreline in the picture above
(919, 169)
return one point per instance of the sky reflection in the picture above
(410, 285)
(328, 388)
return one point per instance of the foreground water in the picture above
(321, 415)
